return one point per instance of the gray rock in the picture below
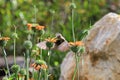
(101, 61)
(19, 61)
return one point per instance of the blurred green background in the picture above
(55, 15)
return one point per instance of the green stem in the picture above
(16, 76)
(49, 56)
(78, 66)
(52, 23)
(15, 48)
(35, 13)
(73, 31)
(5, 58)
(41, 54)
(27, 64)
(75, 70)
(14, 51)
(46, 75)
(33, 73)
(39, 73)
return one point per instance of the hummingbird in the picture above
(61, 44)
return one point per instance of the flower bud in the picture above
(82, 49)
(28, 44)
(75, 49)
(15, 68)
(52, 11)
(49, 44)
(72, 6)
(39, 62)
(3, 43)
(22, 72)
(14, 36)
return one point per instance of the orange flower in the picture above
(4, 38)
(33, 65)
(40, 27)
(43, 66)
(38, 67)
(53, 40)
(29, 26)
(77, 43)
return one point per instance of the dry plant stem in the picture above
(5, 58)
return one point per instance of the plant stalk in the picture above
(27, 64)
(75, 70)
(14, 51)
(73, 30)
(5, 59)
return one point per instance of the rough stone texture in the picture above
(101, 61)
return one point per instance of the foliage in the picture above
(55, 15)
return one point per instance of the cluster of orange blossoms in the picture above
(38, 27)
(77, 43)
(4, 38)
(38, 66)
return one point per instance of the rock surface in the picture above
(101, 61)
(19, 61)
